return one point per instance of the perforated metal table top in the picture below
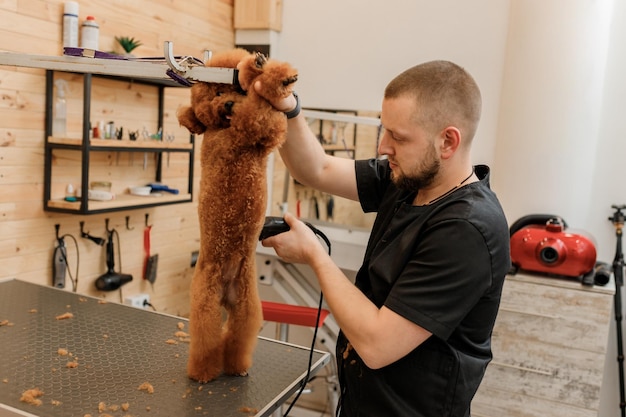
(112, 350)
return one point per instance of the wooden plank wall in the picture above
(27, 233)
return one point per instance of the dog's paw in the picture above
(203, 375)
(236, 362)
(236, 372)
(290, 80)
(249, 68)
(277, 80)
(277, 77)
(259, 60)
(187, 118)
(206, 366)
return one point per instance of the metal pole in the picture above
(618, 273)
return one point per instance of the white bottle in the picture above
(89, 34)
(70, 24)
(59, 117)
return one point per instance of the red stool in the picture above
(286, 314)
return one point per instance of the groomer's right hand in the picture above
(298, 245)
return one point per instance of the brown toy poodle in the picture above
(240, 130)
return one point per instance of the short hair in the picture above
(445, 95)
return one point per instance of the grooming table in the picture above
(118, 348)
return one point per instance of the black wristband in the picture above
(296, 111)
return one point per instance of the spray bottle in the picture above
(59, 120)
(89, 33)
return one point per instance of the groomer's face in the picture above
(410, 149)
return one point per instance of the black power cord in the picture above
(317, 320)
(147, 303)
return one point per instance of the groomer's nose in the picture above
(383, 145)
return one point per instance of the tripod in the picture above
(618, 272)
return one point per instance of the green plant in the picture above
(127, 43)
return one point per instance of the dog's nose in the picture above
(229, 105)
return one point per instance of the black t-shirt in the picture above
(442, 267)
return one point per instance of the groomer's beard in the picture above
(422, 174)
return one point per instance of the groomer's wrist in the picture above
(296, 110)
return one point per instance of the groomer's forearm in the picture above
(357, 316)
(302, 152)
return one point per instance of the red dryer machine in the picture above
(543, 243)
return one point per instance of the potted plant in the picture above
(128, 44)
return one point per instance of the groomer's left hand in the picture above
(298, 245)
(284, 104)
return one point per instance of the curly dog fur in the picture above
(240, 130)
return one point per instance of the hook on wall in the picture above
(127, 224)
(106, 226)
(97, 240)
(147, 225)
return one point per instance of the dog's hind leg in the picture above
(206, 355)
(245, 318)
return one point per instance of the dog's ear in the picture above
(187, 118)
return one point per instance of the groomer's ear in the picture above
(451, 141)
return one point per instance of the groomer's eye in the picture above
(391, 135)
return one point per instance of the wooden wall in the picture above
(27, 233)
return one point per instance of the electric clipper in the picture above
(59, 264)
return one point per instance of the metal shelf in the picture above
(337, 117)
(161, 72)
(86, 146)
(121, 202)
(121, 145)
